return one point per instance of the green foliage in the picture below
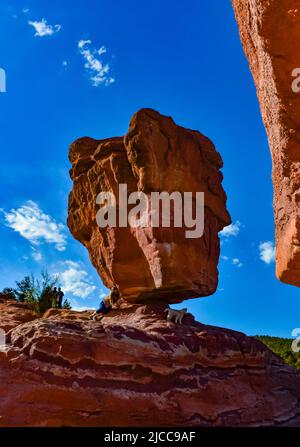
(283, 348)
(9, 293)
(25, 289)
(67, 305)
(38, 293)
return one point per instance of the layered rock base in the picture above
(134, 368)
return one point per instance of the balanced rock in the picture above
(135, 368)
(270, 31)
(150, 264)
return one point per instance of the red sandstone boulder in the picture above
(137, 369)
(270, 33)
(14, 313)
(150, 264)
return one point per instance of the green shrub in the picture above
(37, 293)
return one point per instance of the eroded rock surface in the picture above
(150, 264)
(270, 33)
(14, 313)
(136, 369)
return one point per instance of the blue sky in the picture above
(184, 60)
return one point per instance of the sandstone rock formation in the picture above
(13, 313)
(136, 369)
(270, 32)
(149, 264)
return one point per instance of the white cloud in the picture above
(82, 43)
(35, 226)
(237, 262)
(26, 10)
(102, 50)
(231, 230)
(267, 252)
(65, 63)
(98, 70)
(78, 307)
(43, 29)
(234, 261)
(75, 280)
(37, 255)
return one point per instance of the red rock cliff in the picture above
(150, 264)
(270, 33)
(137, 369)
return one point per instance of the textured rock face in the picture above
(149, 264)
(136, 369)
(270, 32)
(13, 313)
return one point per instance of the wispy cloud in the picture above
(99, 71)
(75, 280)
(37, 255)
(237, 262)
(234, 261)
(42, 28)
(79, 307)
(267, 252)
(231, 230)
(36, 226)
